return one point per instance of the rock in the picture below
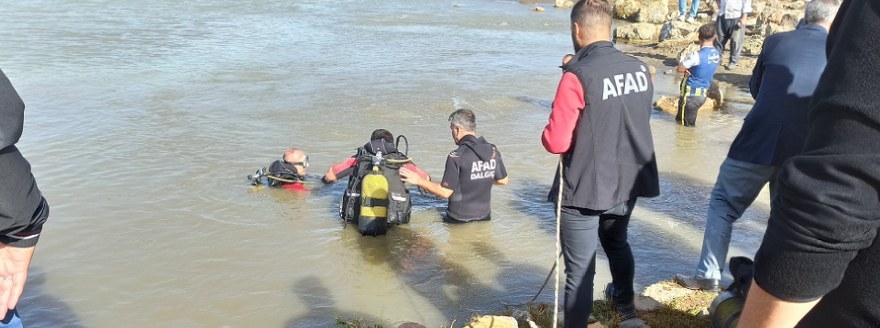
(633, 323)
(538, 9)
(637, 31)
(564, 3)
(676, 30)
(644, 303)
(627, 9)
(410, 325)
(492, 321)
(653, 12)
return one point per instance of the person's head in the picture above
(590, 22)
(462, 122)
(821, 12)
(382, 134)
(707, 34)
(296, 158)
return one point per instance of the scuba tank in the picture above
(373, 219)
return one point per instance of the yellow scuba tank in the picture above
(373, 219)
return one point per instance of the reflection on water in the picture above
(144, 118)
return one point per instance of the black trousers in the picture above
(688, 107)
(580, 229)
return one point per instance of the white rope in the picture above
(558, 245)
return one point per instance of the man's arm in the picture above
(691, 60)
(765, 310)
(429, 186)
(339, 170)
(567, 107)
(758, 72)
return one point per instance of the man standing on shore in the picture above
(607, 159)
(23, 210)
(731, 26)
(783, 81)
(818, 263)
(698, 69)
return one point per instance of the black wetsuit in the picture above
(471, 170)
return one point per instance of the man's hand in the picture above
(410, 177)
(14, 263)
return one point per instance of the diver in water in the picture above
(289, 172)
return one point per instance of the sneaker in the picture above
(698, 282)
(681, 18)
(690, 19)
(625, 310)
(731, 66)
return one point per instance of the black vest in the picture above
(612, 155)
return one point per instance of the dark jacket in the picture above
(608, 154)
(782, 83)
(822, 235)
(22, 208)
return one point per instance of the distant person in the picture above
(600, 125)
(783, 80)
(23, 210)
(683, 10)
(471, 171)
(819, 261)
(698, 69)
(289, 172)
(380, 151)
(731, 26)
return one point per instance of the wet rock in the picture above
(677, 30)
(633, 323)
(637, 31)
(645, 303)
(492, 321)
(538, 9)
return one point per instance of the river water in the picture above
(145, 117)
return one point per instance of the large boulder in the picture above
(627, 9)
(677, 30)
(653, 12)
(492, 321)
(637, 31)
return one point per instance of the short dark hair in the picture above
(707, 31)
(590, 12)
(464, 118)
(382, 134)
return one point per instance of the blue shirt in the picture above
(702, 65)
(782, 83)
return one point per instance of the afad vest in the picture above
(612, 155)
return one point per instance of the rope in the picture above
(558, 245)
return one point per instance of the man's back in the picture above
(782, 83)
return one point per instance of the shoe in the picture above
(731, 66)
(681, 18)
(690, 19)
(625, 310)
(698, 282)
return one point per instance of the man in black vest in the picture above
(607, 155)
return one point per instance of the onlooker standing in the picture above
(731, 26)
(471, 171)
(23, 210)
(783, 80)
(607, 155)
(683, 10)
(699, 69)
(819, 261)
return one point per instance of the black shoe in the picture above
(697, 282)
(625, 310)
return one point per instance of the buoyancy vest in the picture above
(399, 202)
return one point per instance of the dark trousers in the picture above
(729, 30)
(580, 228)
(688, 107)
